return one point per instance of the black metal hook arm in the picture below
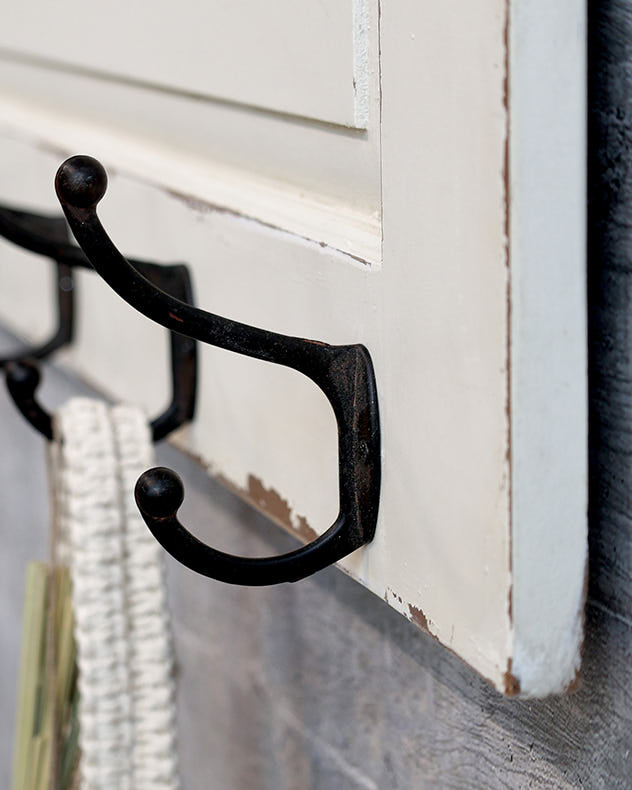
(344, 373)
(26, 230)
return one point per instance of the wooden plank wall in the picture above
(320, 685)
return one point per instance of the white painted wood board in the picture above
(291, 56)
(474, 314)
(548, 338)
(311, 178)
(316, 181)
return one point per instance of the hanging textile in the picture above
(125, 660)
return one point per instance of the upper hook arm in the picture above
(81, 183)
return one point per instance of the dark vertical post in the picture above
(610, 300)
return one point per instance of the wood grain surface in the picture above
(321, 686)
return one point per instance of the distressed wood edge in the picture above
(548, 353)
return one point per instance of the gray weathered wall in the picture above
(320, 685)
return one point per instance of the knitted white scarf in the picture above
(126, 685)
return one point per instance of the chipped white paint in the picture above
(477, 336)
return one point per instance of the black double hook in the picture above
(49, 236)
(344, 373)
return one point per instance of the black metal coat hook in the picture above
(344, 373)
(23, 377)
(21, 227)
(49, 236)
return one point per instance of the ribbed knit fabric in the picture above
(126, 685)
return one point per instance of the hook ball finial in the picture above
(159, 492)
(23, 376)
(81, 181)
